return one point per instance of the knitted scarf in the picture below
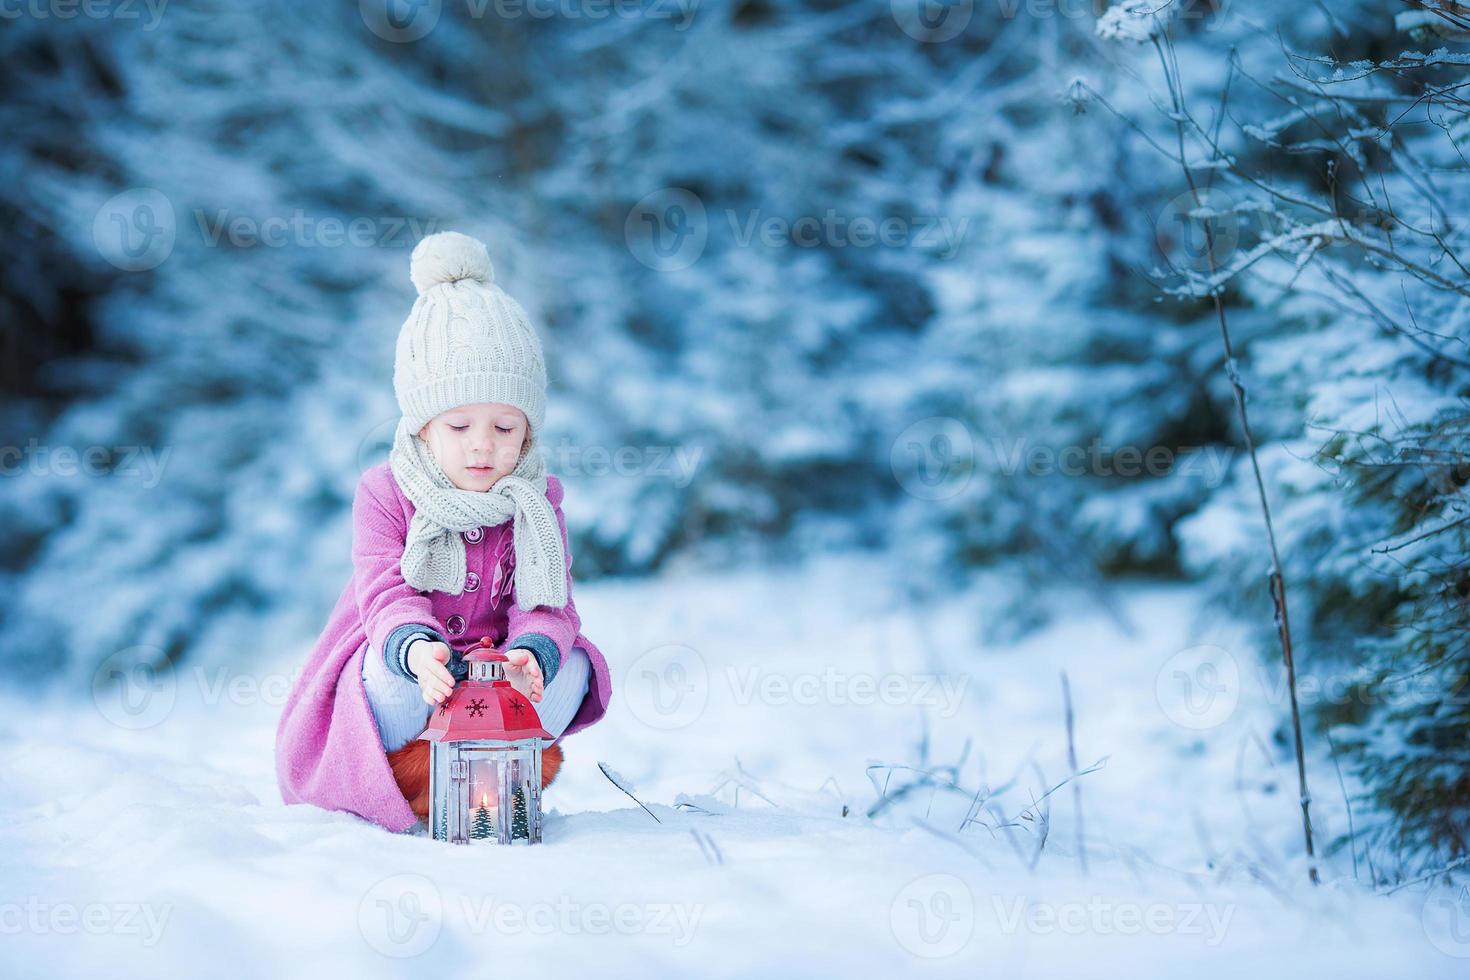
(434, 553)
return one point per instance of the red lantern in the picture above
(485, 744)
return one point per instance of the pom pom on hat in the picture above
(449, 257)
(465, 344)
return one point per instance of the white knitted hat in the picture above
(465, 340)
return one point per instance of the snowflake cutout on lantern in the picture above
(518, 708)
(477, 707)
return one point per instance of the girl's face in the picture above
(475, 445)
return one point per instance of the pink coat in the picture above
(328, 751)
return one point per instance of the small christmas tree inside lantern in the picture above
(485, 744)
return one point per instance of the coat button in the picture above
(472, 582)
(455, 625)
(474, 535)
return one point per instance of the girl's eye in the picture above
(459, 428)
(502, 430)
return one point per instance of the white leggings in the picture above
(401, 711)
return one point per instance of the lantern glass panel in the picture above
(438, 799)
(486, 792)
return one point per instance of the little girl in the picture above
(458, 536)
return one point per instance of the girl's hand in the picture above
(427, 659)
(524, 673)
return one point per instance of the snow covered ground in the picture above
(146, 837)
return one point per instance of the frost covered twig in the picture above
(618, 781)
(1072, 762)
(1187, 127)
(1276, 580)
(926, 780)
